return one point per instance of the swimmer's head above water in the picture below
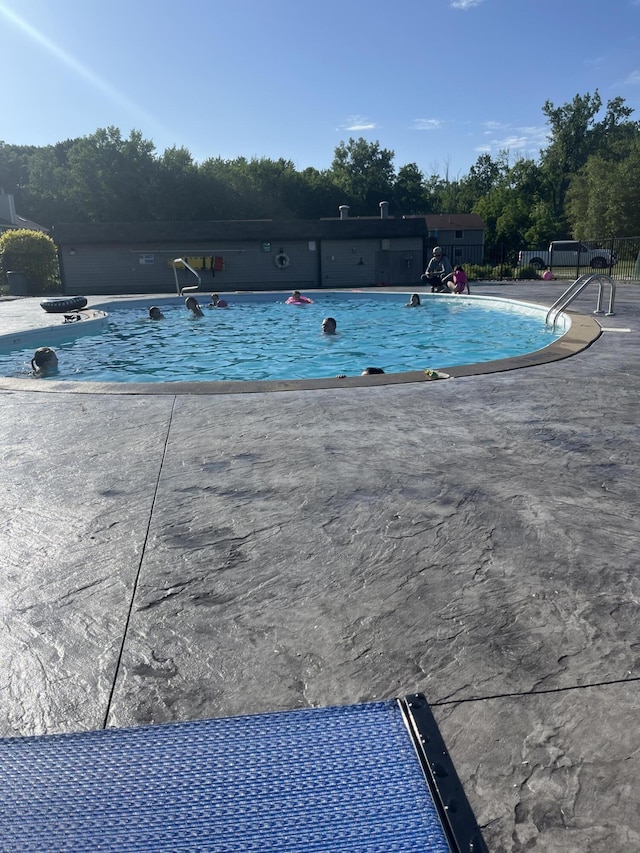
(44, 360)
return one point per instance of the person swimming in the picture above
(44, 361)
(329, 326)
(371, 371)
(155, 313)
(414, 302)
(192, 304)
(216, 302)
(297, 299)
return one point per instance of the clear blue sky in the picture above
(437, 81)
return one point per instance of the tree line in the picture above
(582, 184)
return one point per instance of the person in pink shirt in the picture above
(459, 281)
(297, 299)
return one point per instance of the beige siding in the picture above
(106, 269)
(357, 263)
(251, 268)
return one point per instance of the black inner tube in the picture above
(63, 305)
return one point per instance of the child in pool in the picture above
(297, 299)
(216, 302)
(414, 302)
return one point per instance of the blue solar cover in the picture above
(328, 779)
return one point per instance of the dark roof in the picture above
(21, 222)
(262, 230)
(449, 221)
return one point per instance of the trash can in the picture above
(18, 284)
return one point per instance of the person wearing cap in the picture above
(438, 272)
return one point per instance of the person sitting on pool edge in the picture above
(459, 281)
(216, 302)
(297, 299)
(329, 326)
(155, 313)
(44, 361)
(192, 304)
(414, 302)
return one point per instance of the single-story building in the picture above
(156, 257)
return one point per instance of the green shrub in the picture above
(479, 272)
(32, 253)
(527, 274)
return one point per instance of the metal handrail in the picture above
(576, 289)
(181, 290)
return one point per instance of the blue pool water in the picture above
(263, 338)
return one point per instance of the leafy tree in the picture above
(319, 195)
(575, 135)
(603, 199)
(14, 171)
(435, 189)
(112, 178)
(408, 191)
(33, 253)
(259, 188)
(543, 226)
(273, 186)
(571, 133)
(47, 195)
(615, 135)
(364, 172)
(215, 175)
(483, 177)
(506, 217)
(176, 191)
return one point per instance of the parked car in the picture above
(567, 253)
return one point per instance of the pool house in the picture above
(158, 257)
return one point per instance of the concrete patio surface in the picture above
(173, 557)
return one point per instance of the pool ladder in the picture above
(576, 289)
(181, 290)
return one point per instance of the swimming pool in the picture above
(260, 338)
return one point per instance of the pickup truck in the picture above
(567, 253)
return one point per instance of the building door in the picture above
(400, 267)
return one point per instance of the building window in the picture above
(146, 259)
(312, 245)
(458, 235)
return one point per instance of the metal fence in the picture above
(500, 264)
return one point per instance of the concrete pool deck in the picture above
(175, 557)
